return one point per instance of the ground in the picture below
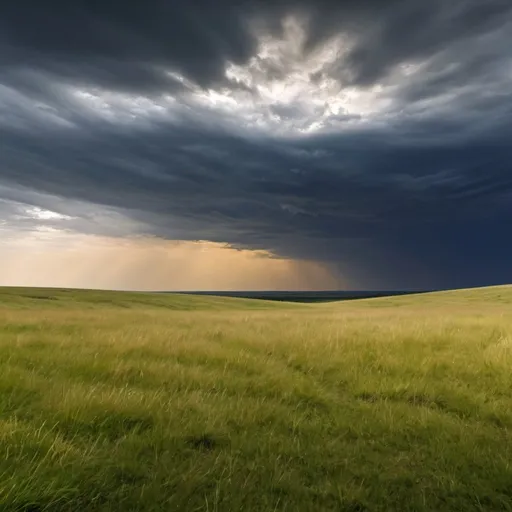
(114, 401)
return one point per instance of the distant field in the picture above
(294, 296)
(113, 401)
(35, 298)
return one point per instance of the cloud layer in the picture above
(372, 136)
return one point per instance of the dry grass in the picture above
(119, 402)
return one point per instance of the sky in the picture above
(242, 144)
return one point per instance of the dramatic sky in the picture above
(224, 144)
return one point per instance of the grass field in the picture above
(138, 402)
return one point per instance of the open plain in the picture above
(114, 401)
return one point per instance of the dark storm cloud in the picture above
(422, 197)
(407, 198)
(131, 44)
(123, 44)
(414, 30)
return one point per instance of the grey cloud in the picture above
(193, 193)
(122, 45)
(418, 196)
(130, 46)
(408, 31)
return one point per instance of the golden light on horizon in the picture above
(89, 261)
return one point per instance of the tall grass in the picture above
(119, 402)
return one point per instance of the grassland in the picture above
(138, 402)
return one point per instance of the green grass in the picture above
(116, 401)
(39, 298)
